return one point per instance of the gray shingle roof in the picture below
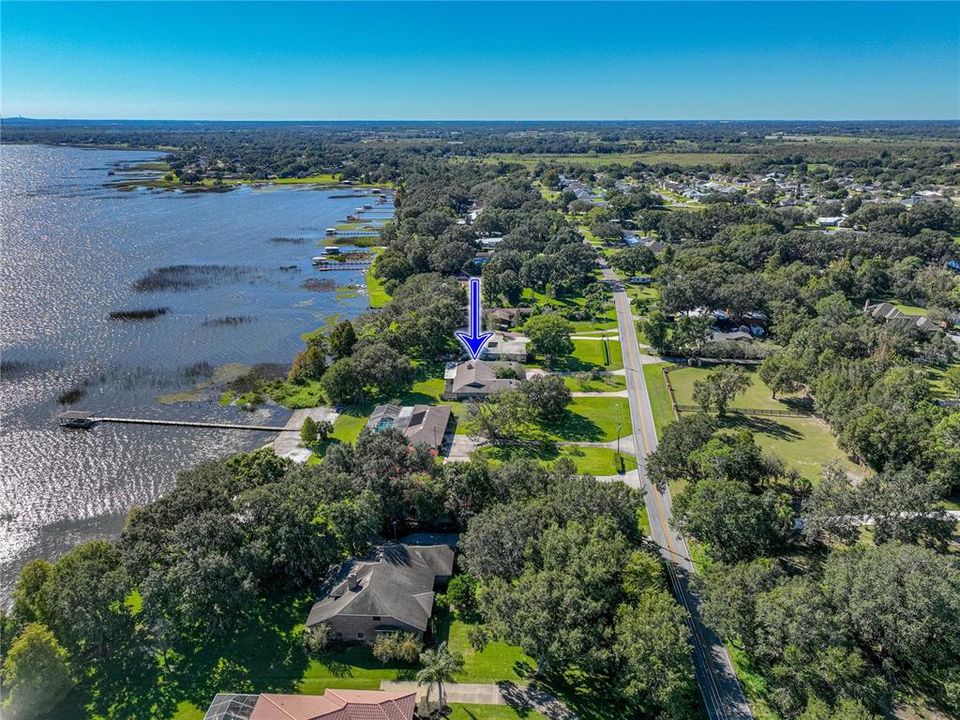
(425, 424)
(476, 377)
(397, 584)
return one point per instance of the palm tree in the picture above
(439, 666)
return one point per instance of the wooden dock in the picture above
(358, 265)
(91, 420)
(357, 233)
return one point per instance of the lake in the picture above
(223, 273)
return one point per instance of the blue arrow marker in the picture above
(474, 340)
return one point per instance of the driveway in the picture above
(287, 443)
(460, 448)
(502, 693)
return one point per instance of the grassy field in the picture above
(594, 419)
(758, 395)
(377, 295)
(353, 667)
(298, 395)
(659, 396)
(908, 309)
(492, 712)
(587, 460)
(607, 321)
(497, 661)
(598, 461)
(603, 383)
(805, 443)
(647, 295)
(347, 427)
(623, 158)
(594, 355)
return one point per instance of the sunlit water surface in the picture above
(72, 250)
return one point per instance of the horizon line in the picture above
(476, 120)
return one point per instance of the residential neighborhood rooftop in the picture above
(332, 705)
(421, 424)
(392, 591)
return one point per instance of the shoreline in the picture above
(56, 533)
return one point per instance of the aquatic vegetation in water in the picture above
(318, 285)
(72, 395)
(198, 370)
(182, 397)
(179, 278)
(141, 314)
(227, 320)
(13, 369)
(290, 240)
(256, 376)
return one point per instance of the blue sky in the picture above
(461, 60)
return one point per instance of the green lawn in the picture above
(588, 419)
(598, 461)
(659, 396)
(351, 668)
(908, 309)
(758, 395)
(593, 419)
(188, 711)
(352, 420)
(604, 383)
(587, 460)
(497, 661)
(593, 355)
(378, 296)
(607, 321)
(805, 443)
(492, 712)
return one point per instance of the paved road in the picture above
(723, 697)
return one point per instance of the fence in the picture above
(767, 412)
(762, 412)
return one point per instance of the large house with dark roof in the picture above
(420, 424)
(332, 705)
(392, 591)
(476, 379)
(891, 313)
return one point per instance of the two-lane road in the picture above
(723, 697)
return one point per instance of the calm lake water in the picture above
(73, 252)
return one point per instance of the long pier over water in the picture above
(78, 419)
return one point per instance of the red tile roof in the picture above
(337, 705)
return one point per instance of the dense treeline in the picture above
(840, 622)
(378, 152)
(231, 549)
